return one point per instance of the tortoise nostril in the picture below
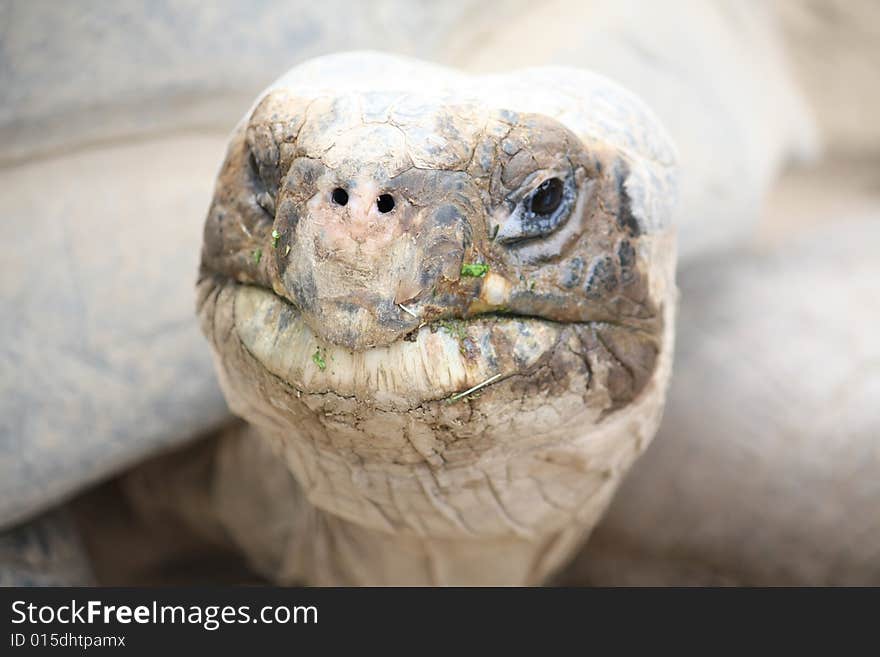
(385, 203)
(340, 196)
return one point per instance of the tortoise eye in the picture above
(539, 212)
(546, 198)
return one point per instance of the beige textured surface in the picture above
(98, 71)
(837, 190)
(101, 361)
(834, 50)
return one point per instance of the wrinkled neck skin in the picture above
(497, 488)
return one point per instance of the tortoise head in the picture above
(374, 216)
(375, 251)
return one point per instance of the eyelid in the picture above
(529, 185)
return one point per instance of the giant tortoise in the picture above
(444, 304)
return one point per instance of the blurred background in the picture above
(113, 122)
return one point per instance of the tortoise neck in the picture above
(289, 539)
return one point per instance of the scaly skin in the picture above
(347, 335)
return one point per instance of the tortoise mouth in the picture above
(443, 360)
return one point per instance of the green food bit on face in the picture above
(458, 330)
(257, 254)
(455, 327)
(475, 269)
(275, 237)
(318, 360)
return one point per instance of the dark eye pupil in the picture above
(340, 196)
(385, 203)
(548, 196)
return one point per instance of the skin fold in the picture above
(459, 383)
